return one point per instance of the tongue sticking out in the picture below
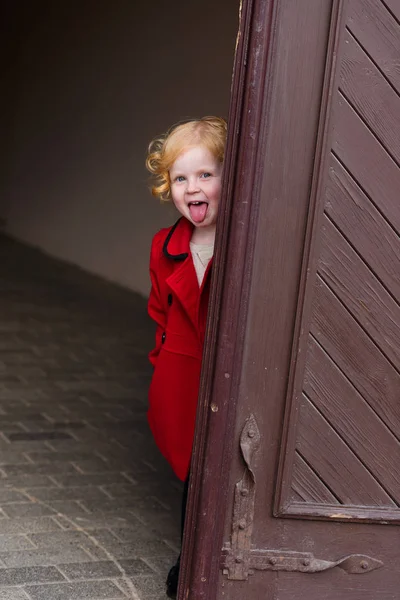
(198, 212)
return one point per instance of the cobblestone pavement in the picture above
(88, 508)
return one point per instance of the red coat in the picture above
(179, 308)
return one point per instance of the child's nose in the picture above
(192, 186)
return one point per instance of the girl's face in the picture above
(196, 186)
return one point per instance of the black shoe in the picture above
(172, 580)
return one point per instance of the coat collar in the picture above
(183, 280)
(176, 245)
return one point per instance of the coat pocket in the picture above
(188, 344)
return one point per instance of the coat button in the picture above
(163, 337)
(169, 299)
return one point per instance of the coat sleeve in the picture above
(155, 305)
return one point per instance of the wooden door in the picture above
(296, 472)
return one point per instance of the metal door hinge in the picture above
(239, 566)
(239, 559)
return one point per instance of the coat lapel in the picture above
(176, 245)
(183, 281)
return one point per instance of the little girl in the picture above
(186, 164)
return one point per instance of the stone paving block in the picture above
(127, 489)
(24, 575)
(13, 458)
(60, 539)
(6, 405)
(145, 471)
(26, 525)
(33, 558)
(139, 503)
(149, 588)
(91, 415)
(48, 468)
(13, 594)
(99, 590)
(8, 496)
(123, 518)
(34, 426)
(71, 509)
(55, 413)
(91, 435)
(91, 570)
(8, 428)
(95, 465)
(136, 532)
(51, 408)
(136, 567)
(122, 493)
(27, 509)
(68, 425)
(55, 457)
(19, 392)
(27, 446)
(104, 445)
(161, 564)
(91, 493)
(90, 480)
(27, 481)
(38, 436)
(138, 549)
(165, 526)
(10, 542)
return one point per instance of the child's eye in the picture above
(179, 178)
(206, 175)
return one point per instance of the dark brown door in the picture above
(296, 474)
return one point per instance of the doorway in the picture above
(89, 84)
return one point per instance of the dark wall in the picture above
(89, 84)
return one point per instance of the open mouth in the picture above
(198, 211)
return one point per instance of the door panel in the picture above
(335, 460)
(367, 161)
(363, 226)
(377, 29)
(297, 455)
(356, 285)
(347, 390)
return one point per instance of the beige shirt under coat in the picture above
(201, 255)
